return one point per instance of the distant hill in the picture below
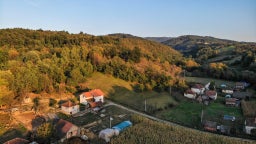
(189, 44)
(158, 39)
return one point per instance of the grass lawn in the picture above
(186, 113)
(122, 92)
(189, 113)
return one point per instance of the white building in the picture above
(250, 123)
(198, 89)
(211, 94)
(95, 95)
(69, 108)
(190, 94)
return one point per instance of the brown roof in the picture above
(198, 86)
(231, 100)
(189, 92)
(17, 141)
(68, 104)
(63, 127)
(210, 126)
(95, 104)
(93, 93)
(210, 93)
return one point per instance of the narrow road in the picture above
(109, 103)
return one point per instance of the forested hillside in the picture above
(218, 58)
(54, 61)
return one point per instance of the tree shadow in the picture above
(37, 121)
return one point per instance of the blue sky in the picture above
(229, 19)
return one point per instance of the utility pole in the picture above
(170, 90)
(145, 105)
(202, 114)
(110, 119)
(184, 73)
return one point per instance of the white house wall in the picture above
(248, 129)
(189, 96)
(198, 91)
(99, 98)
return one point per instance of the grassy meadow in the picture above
(122, 92)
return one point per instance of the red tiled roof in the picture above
(198, 86)
(63, 127)
(93, 93)
(210, 93)
(17, 141)
(88, 95)
(68, 104)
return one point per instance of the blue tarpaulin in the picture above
(121, 126)
(228, 117)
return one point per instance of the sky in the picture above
(228, 19)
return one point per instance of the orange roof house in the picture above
(69, 108)
(92, 96)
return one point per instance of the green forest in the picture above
(56, 61)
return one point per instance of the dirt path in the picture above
(168, 122)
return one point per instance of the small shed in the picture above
(224, 129)
(210, 126)
(230, 101)
(108, 133)
(250, 123)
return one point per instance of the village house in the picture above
(198, 89)
(227, 91)
(210, 126)
(242, 95)
(95, 95)
(190, 94)
(69, 108)
(239, 85)
(211, 94)
(17, 141)
(66, 130)
(250, 123)
(231, 102)
(224, 129)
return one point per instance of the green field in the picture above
(189, 113)
(122, 92)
